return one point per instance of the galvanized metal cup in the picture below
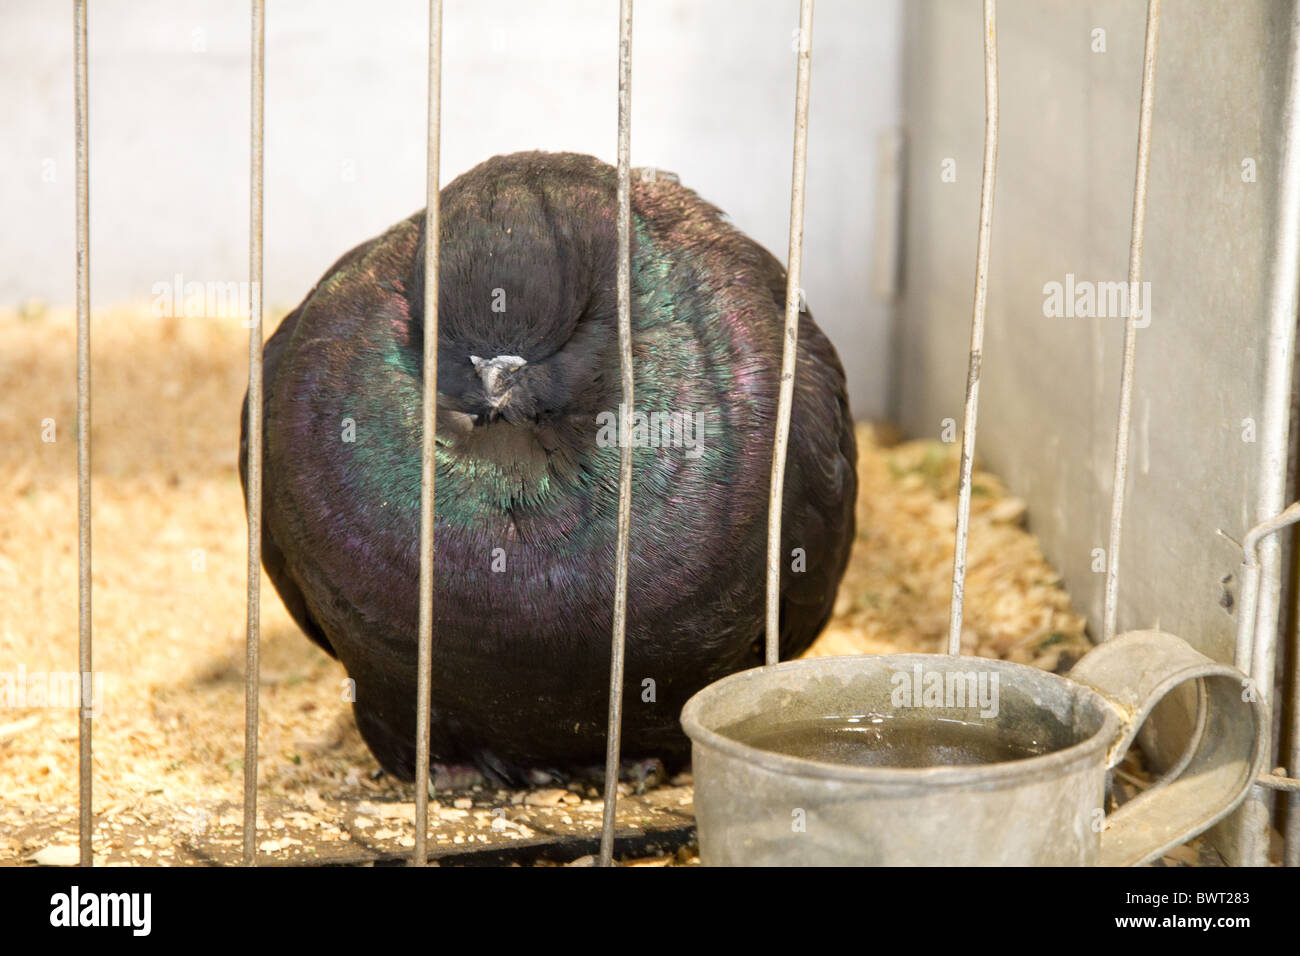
(759, 807)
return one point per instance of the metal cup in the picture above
(756, 806)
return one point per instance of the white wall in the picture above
(713, 95)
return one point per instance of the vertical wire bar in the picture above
(1248, 589)
(85, 754)
(614, 724)
(253, 633)
(1291, 839)
(1119, 486)
(1283, 301)
(790, 346)
(971, 414)
(1257, 838)
(429, 424)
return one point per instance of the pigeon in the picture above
(528, 441)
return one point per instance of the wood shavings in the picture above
(169, 541)
(895, 594)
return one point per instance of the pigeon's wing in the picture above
(272, 556)
(821, 487)
(820, 498)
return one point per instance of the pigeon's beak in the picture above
(497, 375)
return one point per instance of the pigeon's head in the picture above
(524, 390)
(527, 316)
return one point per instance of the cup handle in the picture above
(1134, 671)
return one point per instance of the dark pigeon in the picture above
(528, 461)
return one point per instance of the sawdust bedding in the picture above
(169, 612)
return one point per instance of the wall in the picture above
(713, 100)
(1049, 391)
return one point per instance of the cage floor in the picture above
(169, 622)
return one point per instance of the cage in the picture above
(1208, 454)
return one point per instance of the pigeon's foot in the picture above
(487, 772)
(643, 774)
(445, 777)
(639, 775)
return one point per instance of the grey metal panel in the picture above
(1069, 127)
(1067, 154)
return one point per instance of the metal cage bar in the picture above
(1248, 589)
(971, 413)
(1247, 616)
(429, 409)
(1119, 485)
(790, 348)
(1252, 821)
(1291, 839)
(618, 641)
(85, 751)
(253, 633)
